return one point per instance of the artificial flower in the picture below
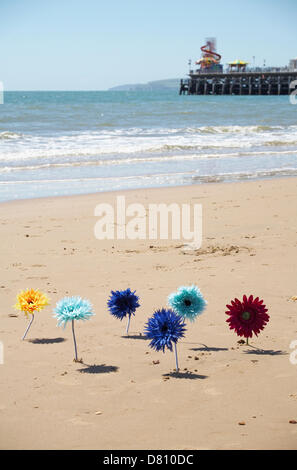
(30, 301)
(164, 328)
(247, 317)
(188, 302)
(71, 309)
(123, 303)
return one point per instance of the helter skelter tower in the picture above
(210, 59)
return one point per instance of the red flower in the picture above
(247, 317)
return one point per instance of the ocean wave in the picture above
(71, 154)
(132, 142)
(280, 143)
(142, 160)
(98, 178)
(154, 131)
(243, 175)
(119, 161)
(9, 135)
(186, 177)
(238, 129)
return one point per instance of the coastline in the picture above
(249, 247)
(212, 182)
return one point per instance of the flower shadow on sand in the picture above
(264, 352)
(135, 337)
(98, 369)
(208, 348)
(46, 340)
(185, 375)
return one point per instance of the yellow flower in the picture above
(31, 300)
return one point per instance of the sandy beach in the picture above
(124, 395)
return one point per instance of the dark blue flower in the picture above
(122, 303)
(164, 328)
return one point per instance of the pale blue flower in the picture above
(72, 308)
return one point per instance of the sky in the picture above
(98, 44)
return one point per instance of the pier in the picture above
(238, 83)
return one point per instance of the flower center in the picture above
(30, 301)
(187, 302)
(246, 315)
(164, 328)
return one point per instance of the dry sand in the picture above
(118, 398)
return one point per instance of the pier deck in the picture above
(239, 83)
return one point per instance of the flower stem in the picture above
(176, 359)
(28, 327)
(247, 341)
(128, 324)
(74, 340)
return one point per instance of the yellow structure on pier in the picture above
(237, 66)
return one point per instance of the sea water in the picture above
(63, 143)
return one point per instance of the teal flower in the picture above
(188, 302)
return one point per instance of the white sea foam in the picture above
(142, 160)
(133, 142)
(186, 176)
(9, 135)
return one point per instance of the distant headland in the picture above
(169, 84)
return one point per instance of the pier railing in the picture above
(238, 83)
